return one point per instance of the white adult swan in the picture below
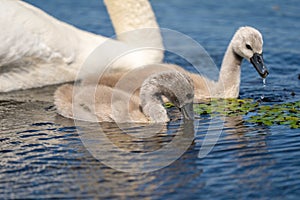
(109, 104)
(37, 49)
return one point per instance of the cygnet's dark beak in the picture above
(258, 62)
(188, 111)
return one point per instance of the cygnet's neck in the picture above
(230, 74)
(152, 103)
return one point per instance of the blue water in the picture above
(42, 155)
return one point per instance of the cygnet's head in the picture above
(248, 43)
(181, 92)
(175, 86)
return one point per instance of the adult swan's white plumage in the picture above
(37, 49)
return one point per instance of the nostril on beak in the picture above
(259, 59)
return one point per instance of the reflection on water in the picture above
(124, 149)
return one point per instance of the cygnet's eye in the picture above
(248, 47)
(176, 102)
(189, 96)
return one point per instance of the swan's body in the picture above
(109, 104)
(247, 43)
(37, 49)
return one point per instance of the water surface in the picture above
(42, 155)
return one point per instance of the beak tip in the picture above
(258, 63)
(265, 72)
(188, 112)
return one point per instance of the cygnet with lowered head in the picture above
(106, 104)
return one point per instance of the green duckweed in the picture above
(269, 115)
(287, 114)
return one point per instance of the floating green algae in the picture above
(253, 112)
